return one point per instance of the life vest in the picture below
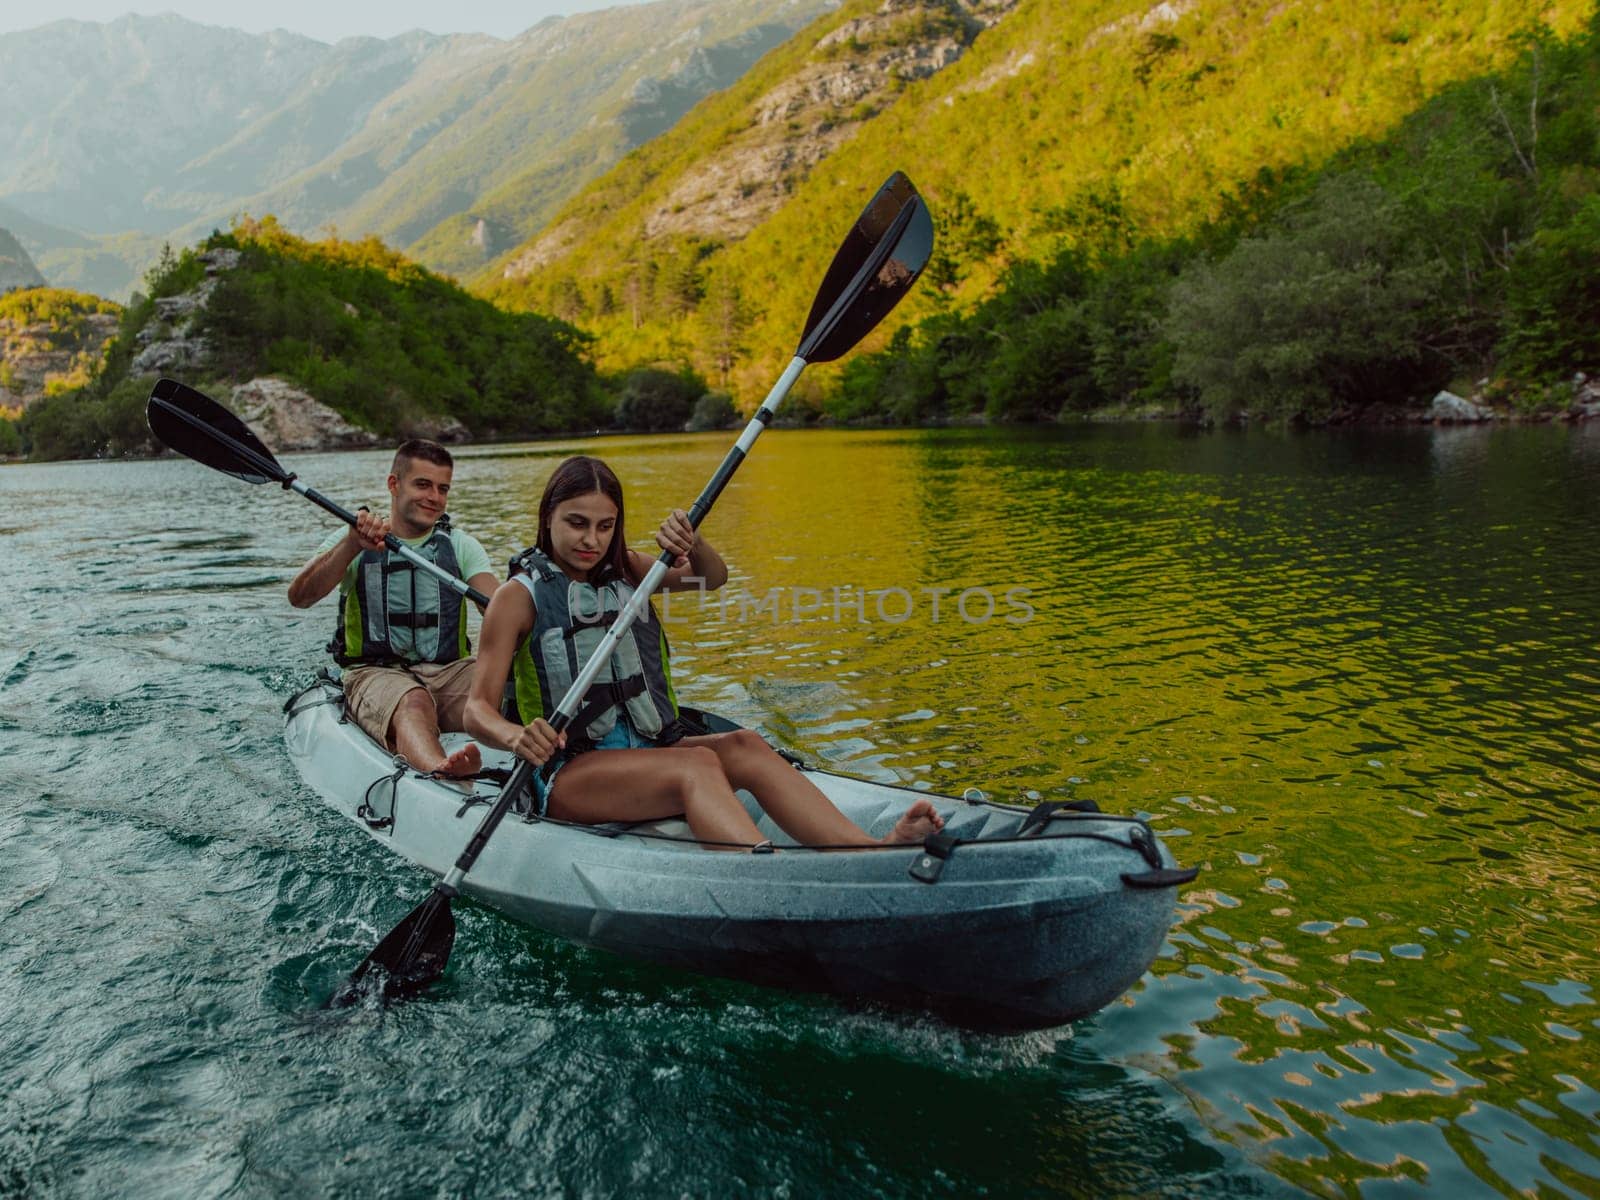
(399, 613)
(571, 619)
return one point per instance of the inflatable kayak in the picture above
(1011, 919)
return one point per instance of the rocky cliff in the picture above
(50, 340)
(849, 74)
(286, 417)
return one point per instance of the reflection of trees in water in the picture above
(1346, 667)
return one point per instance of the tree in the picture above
(725, 318)
(714, 410)
(1552, 314)
(658, 401)
(637, 287)
(566, 299)
(1329, 308)
(681, 284)
(965, 237)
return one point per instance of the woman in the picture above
(624, 760)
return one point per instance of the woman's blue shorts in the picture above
(622, 737)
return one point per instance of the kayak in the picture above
(1014, 918)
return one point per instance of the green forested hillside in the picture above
(364, 330)
(1093, 127)
(1462, 250)
(51, 341)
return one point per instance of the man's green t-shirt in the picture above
(469, 553)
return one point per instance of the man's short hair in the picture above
(429, 452)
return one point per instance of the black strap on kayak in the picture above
(1162, 877)
(497, 775)
(292, 705)
(376, 820)
(1143, 840)
(927, 868)
(1041, 814)
(936, 851)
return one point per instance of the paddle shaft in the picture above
(522, 775)
(266, 465)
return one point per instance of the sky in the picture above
(324, 20)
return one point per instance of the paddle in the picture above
(880, 259)
(197, 427)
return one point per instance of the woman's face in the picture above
(580, 532)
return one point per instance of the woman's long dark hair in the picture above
(580, 476)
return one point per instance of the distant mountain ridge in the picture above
(163, 128)
(16, 268)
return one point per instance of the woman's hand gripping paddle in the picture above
(880, 259)
(197, 427)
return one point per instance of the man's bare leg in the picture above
(414, 736)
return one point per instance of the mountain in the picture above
(102, 265)
(1028, 126)
(576, 96)
(144, 129)
(16, 268)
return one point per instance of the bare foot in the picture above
(466, 761)
(915, 824)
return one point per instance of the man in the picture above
(402, 632)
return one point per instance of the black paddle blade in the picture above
(412, 956)
(880, 259)
(196, 426)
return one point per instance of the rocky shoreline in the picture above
(1446, 408)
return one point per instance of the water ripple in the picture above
(1353, 676)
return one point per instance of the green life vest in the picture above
(570, 620)
(398, 613)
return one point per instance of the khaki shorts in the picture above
(371, 694)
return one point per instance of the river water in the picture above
(1354, 676)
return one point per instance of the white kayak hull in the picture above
(1013, 933)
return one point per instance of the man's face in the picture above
(419, 495)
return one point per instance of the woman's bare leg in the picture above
(646, 785)
(794, 802)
